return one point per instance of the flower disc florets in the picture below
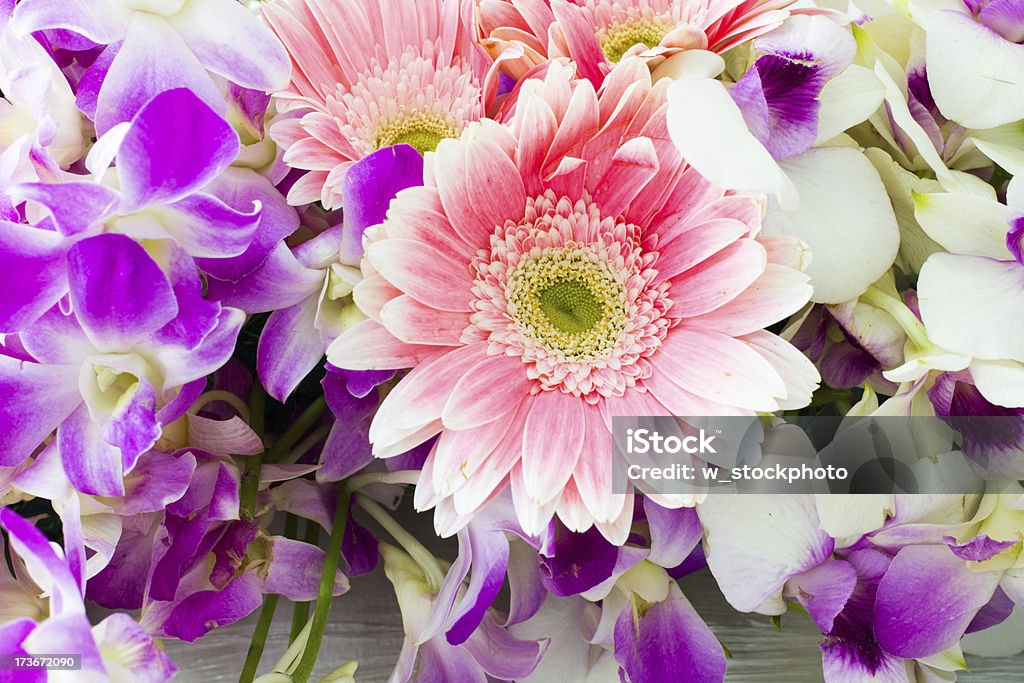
(571, 293)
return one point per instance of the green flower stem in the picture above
(325, 593)
(250, 484)
(259, 639)
(292, 435)
(300, 613)
(314, 437)
(419, 553)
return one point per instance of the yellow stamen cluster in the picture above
(421, 130)
(569, 302)
(617, 39)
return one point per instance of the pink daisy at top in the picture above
(553, 273)
(597, 34)
(368, 74)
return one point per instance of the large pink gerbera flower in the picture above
(556, 272)
(369, 74)
(597, 34)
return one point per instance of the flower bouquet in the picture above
(613, 291)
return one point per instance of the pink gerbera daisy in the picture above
(597, 34)
(557, 271)
(369, 74)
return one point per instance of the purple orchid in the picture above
(645, 620)
(160, 46)
(115, 647)
(851, 344)
(312, 287)
(127, 360)
(42, 128)
(889, 602)
(177, 189)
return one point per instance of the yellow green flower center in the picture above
(420, 130)
(569, 303)
(617, 39)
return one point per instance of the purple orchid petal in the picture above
(33, 274)
(205, 610)
(153, 60)
(230, 550)
(213, 489)
(993, 447)
(824, 591)
(502, 655)
(1005, 17)
(127, 643)
(438, 661)
(227, 38)
(87, 96)
(995, 612)
(674, 533)
(196, 317)
(785, 92)
(68, 633)
(119, 293)
(358, 549)
(240, 188)
(39, 398)
(666, 641)
(926, 600)
(361, 382)
(489, 551)
(181, 402)
(694, 562)
(578, 563)
(369, 186)
(190, 541)
(101, 21)
(348, 446)
(306, 499)
(1015, 239)
(182, 364)
(133, 429)
(979, 548)
(49, 571)
(279, 282)
(289, 348)
(295, 568)
(75, 206)
(92, 465)
(850, 650)
(347, 449)
(526, 590)
(122, 583)
(175, 146)
(207, 227)
(412, 459)
(12, 635)
(157, 480)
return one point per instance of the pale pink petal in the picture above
(416, 323)
(489, 390)
(777, 294)
(719, 279)
(369, 346)
(495, 467)
(720, 368)
(688, 248)
(552, 442)
(423, 272)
